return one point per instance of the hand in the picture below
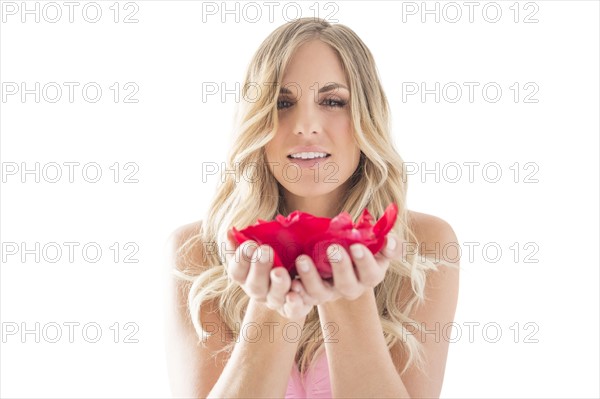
(252, 268)
(349, 281)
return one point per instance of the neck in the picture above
(326, 205)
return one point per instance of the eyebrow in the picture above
(324, 89)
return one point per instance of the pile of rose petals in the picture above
(302, 233)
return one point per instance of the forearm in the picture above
(261, 360)
(360, 363)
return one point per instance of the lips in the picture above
(307, 163)
(302, 233)
(307, 148)
(308, 159)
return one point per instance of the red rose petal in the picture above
(302, 233)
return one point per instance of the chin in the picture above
(308, 188)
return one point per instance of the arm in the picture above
(359, 362)
(258, 368)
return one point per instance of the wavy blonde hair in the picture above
(378, 180)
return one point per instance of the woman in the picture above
(362, 335)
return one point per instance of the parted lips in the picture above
(302, 233)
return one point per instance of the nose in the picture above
(306, 119)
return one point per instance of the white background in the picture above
(170, 132)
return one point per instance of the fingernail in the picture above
(391, 244)
(357, 251)
(303, 264)
(334, 253)
(277, 275)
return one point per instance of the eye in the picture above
(334, 103)
(283, 103)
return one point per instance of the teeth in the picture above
(309, 155)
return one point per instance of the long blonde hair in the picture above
(379, 180)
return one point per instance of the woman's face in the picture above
(314, 120)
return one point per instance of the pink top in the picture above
(315, 383)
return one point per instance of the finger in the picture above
(369, 271)
(280, 285)
(293, 305)
(392, 250)
(306, 298)
(247, 251)
(344, 276)
(257, 283)
(311, 279)
(239, 265)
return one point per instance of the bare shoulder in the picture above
(183, 247)
(193, 370)
(430, 228)
(438, 310)
(438, 240)
(436, 236)
(187, 230)
(185, 260)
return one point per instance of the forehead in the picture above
(312, 62)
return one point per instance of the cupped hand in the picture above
(352, 273)
(252, 268)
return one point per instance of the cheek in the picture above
(269, 151)
(339, 127)
(339, 122)
(275, 155)
(341, 133)
(272, 148)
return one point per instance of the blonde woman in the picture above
(371, 331)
